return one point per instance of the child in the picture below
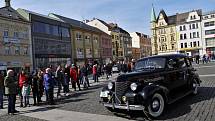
(25, 93)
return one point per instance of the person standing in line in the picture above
(11, 91)
(1, 90)
(35, 88)
(197, 59)
(59, 78)
(26, 90)
(84, 73)
(22, 80)
(40, 85)
(95, 73)
(66, 79)
(49, 86)
(74, 77)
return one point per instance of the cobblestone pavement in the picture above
(191, 108)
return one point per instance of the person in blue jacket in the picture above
(49, 86)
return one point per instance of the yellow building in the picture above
(164, 33)
(15, 40)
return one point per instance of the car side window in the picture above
(181, 63)
(176, 63)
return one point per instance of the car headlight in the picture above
(133, 86)
(110, 85)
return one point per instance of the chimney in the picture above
(7, 3)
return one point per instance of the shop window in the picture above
(17, 50)
(5, 34)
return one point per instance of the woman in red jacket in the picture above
(74, 77)
(22, 81)
(95, 73)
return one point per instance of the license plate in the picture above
(104, 94)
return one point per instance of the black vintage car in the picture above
(155, 82)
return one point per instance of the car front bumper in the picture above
(124, 106)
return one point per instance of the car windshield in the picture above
(150, 63)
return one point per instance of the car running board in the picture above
(179, 97)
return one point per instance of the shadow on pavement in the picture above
(177, 109)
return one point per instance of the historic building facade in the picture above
(15, 40)
(163, 29)
(50, 39)
(208, 32)
(189, 33)
(121, 39)
(141, 45)
(86, 41)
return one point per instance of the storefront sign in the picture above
(11, 40)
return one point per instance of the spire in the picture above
(153, 16)
(7, 3)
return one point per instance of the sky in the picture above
(131, 15)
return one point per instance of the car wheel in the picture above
(156, 106)
(195, 86)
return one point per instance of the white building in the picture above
(135, 40)
(208, 32)
(189, 33)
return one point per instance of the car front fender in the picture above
(149, 90)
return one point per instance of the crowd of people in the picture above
(44, 81)
(204, 59)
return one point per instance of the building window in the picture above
(182, 45)
(184, 27)
(181, 36)
(16, 35)
(208, 32)
(206, 17)
(87, 39)
(25, 51)
(114, 53)
(197, 25)
(191, 44)
(194, 44)
(210, 41)
(172, 38)
(185, 36)
(193, 26)
(198, 44)
(194, 34)
(212, 16)
(180, 28)
(112, 36)
(7, 50)
(17, 50)
(173, 46)
(211, 23)
(185, 45)
(190, 26)
(194, 17)
(190, 35)
(5, 34)
(78, 36)
(197, 34)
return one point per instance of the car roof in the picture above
(165, 56)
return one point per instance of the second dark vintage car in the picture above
(155, 82)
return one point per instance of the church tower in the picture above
(153, 32)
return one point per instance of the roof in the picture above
(106, 24)
(169, 19)
(153, 16)
(208, 13)
(38, 14)
(10, 13)
(77, 23)
(142, 35)
(181, 18)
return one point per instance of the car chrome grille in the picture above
(120, 89)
